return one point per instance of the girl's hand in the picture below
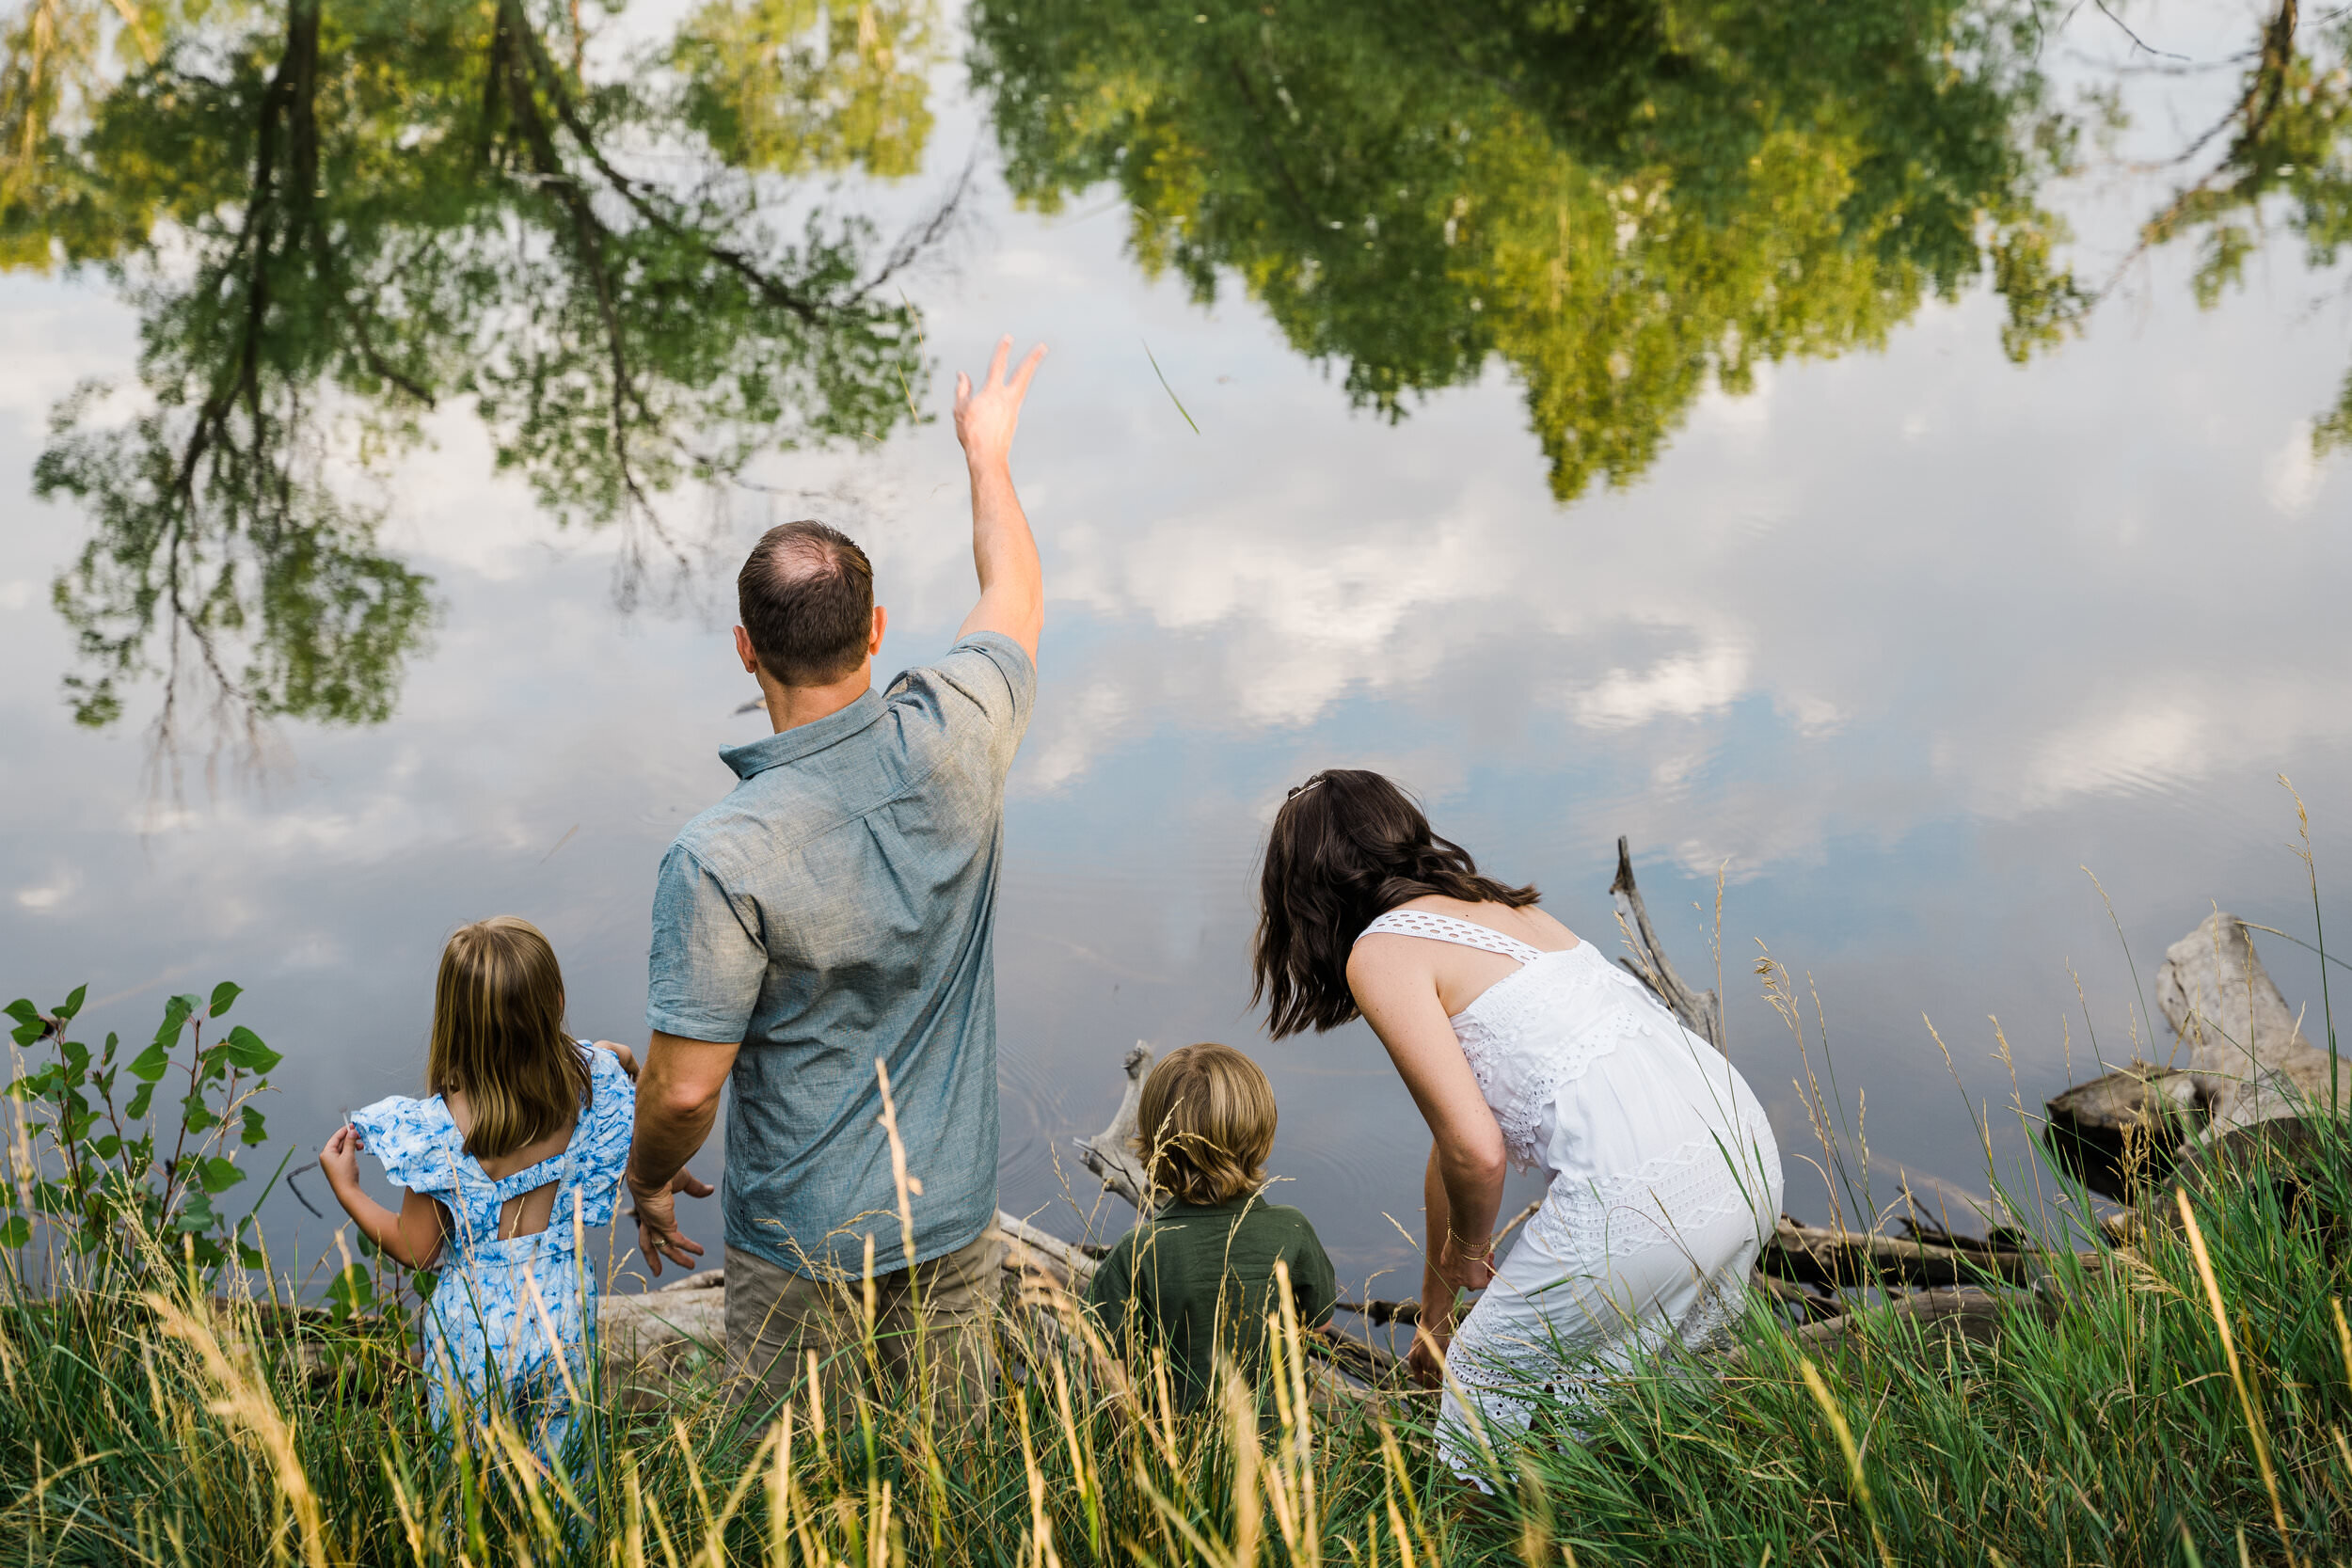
(628, 1058)
(340, 1159)
(1466, 1266)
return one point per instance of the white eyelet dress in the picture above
(1666, 1179)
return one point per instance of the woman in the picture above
(1519, 1043)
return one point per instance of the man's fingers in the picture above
(996, 364)
(963, 388)
(1029, 368)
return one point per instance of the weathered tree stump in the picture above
(2248, 1064)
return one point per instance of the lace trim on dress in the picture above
(1505, 1012)
(1485, 1035)
(1444, 928)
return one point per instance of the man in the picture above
(833, 912)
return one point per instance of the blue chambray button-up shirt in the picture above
(837, 907)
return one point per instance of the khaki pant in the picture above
(931, 1334)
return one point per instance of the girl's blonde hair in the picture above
(1205, 1124)
(498, 1037)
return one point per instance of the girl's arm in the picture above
(411, 1237)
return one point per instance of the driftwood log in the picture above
(1700, 1011)
(2248, 1066)
(1110, 1154)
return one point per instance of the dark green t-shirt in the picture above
(1198, 1279)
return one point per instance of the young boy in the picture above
(1198, 1275)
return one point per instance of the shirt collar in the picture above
(1178, 1208)
(802, 740)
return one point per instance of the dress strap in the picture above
(1444, 928)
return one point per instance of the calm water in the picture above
(1736, 431)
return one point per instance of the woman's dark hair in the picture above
(1348, 848)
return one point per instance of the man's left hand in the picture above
(657, 1232)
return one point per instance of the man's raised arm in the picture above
(1012, 585)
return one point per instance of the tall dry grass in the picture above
(2185, 1400)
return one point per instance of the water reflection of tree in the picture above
(1623, 199)
(336, 220)
(2286, 157)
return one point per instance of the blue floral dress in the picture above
(510, 1318)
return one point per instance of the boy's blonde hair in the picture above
(1205, 1124)
(498, 1038)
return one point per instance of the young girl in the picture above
(517, 1151)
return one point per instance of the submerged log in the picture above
(1965, 1313)
(2117, 1131)
(1839, 1259)
(1815, 1305)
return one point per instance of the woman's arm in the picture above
(1437, 1292)
(411, 1237)
(1464, 1186)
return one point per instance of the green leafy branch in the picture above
(101, 1158)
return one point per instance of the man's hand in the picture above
(1013, 584)
(677, 1100)
(657, 1232)
(986, 417)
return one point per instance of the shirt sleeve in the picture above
(416, 1142)
(707, 960)
(976, 701)
(1314, 1281)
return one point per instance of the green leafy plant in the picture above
(99, 1155)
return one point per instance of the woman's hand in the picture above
(628, 1058)
(1466, 1265)
(340, 1161)
(1425, 1362)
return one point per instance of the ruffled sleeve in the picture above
(600, 1144)
(416, 1141)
